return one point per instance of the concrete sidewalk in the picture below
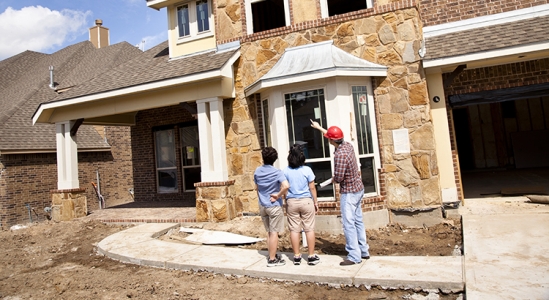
(506, 241)
(138, 245)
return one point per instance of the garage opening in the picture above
(502, 140)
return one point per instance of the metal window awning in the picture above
(315, 61)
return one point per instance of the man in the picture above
(271, 185)
(347, 174)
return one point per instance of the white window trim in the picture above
(375, 141)
(193, 27)
(324, 7)
(250, 18)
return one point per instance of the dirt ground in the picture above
(50, 260)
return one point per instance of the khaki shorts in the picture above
(273, 218)
(301, 214)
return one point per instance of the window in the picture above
(190, 156)
(337, 7)
(301, 107)
(166, 167)
(366, 149)
(265, 123)
(266, 14)
(194, 19)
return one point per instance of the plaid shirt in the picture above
(346, 171)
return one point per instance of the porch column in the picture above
(439, 114)
(67, 157)
(211, 130)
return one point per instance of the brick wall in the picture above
(434, 12)
(144, 168)
(28, 179)
(499, 77)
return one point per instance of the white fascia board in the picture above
(279, 81)
(484, 21)
(125, 91)
(460, 59)
(40, 151)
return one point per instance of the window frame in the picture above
(194, 34)
(250, 18)
(324, 13)
(157, 168)
(183, 166)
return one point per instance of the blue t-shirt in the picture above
(299, 181)
(268, 180)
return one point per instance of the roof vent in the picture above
(52, 83)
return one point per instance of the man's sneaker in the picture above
(313, 259)
(297, 260)
(277, 261)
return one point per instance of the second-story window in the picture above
(337, 7)
(264, 15)
(193, 18)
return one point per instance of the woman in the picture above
(302, 204)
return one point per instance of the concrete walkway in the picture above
(505, 246)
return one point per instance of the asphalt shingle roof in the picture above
(487, 38)
(152, 66)
(24, 84)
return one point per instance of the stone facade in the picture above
(216, 202)
(390, 36)
(28, 179)
(68, 204)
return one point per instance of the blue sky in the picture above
(49, 25)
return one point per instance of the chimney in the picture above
(99, 35)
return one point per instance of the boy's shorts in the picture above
(273, 218)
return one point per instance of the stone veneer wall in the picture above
(435, 12)
(68, 204)
(389, 35)
(215, 202)
(29, 178)
(144, 163)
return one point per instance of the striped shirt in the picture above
(346, 171)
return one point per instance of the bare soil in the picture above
(50, 260)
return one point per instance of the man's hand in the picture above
(315, 125)
(274, 197)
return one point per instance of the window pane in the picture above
(362, 119)
(167, 181)
(268, 14)
(337, 7)
(300, 109)
(202, 15)
(368, 177)
(191, 176)
(183, 20)
(190, 148)
(165, 149)
(266, 127)
(323, 172)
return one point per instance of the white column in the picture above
(439, 115)
(211, 130)
(67, 157)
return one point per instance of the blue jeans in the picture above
(353, 226)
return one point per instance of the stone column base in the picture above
(214, 201)
(68, 204)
